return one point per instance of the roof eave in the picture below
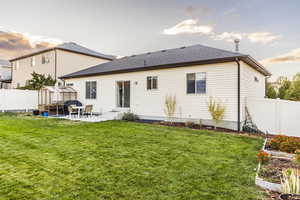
(148, 68)
(251, 61)
(53, 48)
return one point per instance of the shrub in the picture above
(216, 110)
(170, 106)
(263, 156)
(290, 181)
(297, 156)
(190, 124)
(130, 117)
(285, 143)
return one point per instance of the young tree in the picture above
(38, 81)
(170, 106)
(284, 85)
(293, 92)
(216, 110)
(271, 92)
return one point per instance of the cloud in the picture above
(292, 56)
(192, 26)
(13, 44)
(262, 37)
(228, 37)
(188, 26)
(256, 37)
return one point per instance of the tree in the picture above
(38, 81)
(283, 86)
(216, 110)
(293, 92)
(170, 106)
(271, 92)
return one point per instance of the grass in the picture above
(57, 159)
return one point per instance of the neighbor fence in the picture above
(18, 100)
(275, 116)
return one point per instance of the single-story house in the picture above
(140, 83)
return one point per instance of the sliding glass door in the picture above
(123, 94)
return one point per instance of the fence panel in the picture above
(18, 100)
(275, 116)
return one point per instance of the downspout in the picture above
(55, 64)
(238, 94)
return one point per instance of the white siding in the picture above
(221, 84)
(250, 88)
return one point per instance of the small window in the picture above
(70, 84)
(151, 82)
(33, 61)
(45, 59)
(91, 90)
(196, 83)
(256, 79)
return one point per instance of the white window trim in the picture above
(205, 93)
(152, 83)
(33, 61)
(90, 91)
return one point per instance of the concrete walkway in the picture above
(95, 118)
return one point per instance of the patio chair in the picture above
(72, 111)
(88, 110)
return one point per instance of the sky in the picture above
(268, 29)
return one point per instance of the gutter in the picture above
(238, 94)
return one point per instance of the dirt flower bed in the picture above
(207, 127)
(272, 170)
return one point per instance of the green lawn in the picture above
(58, 159)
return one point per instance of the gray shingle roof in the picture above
(70, 46)
(162, 59)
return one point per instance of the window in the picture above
(256, 79)
(70, 84)
(151, 82)
(91, 90)
(45, 59)
(196, 83)
(33, 61)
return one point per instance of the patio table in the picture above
(79, 109)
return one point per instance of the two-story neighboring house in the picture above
(56, 61)
(5, 74)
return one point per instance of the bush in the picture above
(285, 143)
(263, 156)
(216, 110)
(130, 117)
(190, 124)
(297, 156)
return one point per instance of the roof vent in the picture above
(163, 50)
(149, 53)
(182, 47)
(133, 55)
(237, 44)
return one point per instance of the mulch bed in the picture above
(202, 127)
(272, 170)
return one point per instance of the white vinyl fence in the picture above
(275, 116)
(18, 100)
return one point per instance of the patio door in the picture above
(123, 94)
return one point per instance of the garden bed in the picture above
(272, 170)
(206, 127)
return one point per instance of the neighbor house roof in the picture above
(179, 57)
(71, 47)
(4, 62)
